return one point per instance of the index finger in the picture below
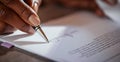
(24, 11)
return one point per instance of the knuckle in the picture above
(6, 13)
(17, 5)
(26, 13)
(3, 13)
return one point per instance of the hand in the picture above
(86, 5)
(18, 14)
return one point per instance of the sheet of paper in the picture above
(79, 37)
(113, 12)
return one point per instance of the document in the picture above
(79, 37)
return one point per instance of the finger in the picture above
(11, 18)
(23, 10)
(6, 29)
(34, 4)
(2, 27)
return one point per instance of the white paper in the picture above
(79, 37)
(113, 12)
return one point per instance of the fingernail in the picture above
(34, 20)
(35, 6)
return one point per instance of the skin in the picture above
(13, 16)
(10, 20)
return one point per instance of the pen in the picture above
(37, 26)
(39, 29)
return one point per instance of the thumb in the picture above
(34, 4)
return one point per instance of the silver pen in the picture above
(39, 29)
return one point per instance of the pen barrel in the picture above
(36, 27)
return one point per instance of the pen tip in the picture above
(43, 34)
(47, 41)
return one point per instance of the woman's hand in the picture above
(18, 14)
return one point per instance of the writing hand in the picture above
(18, 14)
